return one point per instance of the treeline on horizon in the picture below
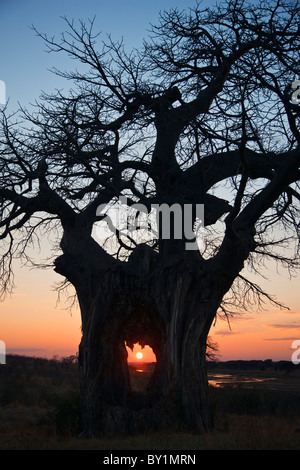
(262, 364)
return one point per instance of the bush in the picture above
(65, 416)
(254, 402)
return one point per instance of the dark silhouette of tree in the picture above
(209, 101)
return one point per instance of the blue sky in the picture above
(24, 64)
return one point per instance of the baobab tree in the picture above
(205, 115)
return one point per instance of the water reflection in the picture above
(221, 380)
(140, 374)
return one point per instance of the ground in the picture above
(254, 408)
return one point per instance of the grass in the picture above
(39, 411)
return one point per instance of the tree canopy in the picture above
(202, 114)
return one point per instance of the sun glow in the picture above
(139, 355)
(146, 351)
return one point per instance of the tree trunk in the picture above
(171, 309)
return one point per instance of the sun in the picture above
(139, 355)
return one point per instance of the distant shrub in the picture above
(247, 401)
(65, 416)
(250, 401)
(30, 381)
(11, 392)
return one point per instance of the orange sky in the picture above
(32, 324)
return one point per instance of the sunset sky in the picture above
(31, 321)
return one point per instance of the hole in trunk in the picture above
(142, 332)
(141, 364)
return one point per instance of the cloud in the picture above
(292, 338)
(225, 333)
(289, 325)
(23, 350)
